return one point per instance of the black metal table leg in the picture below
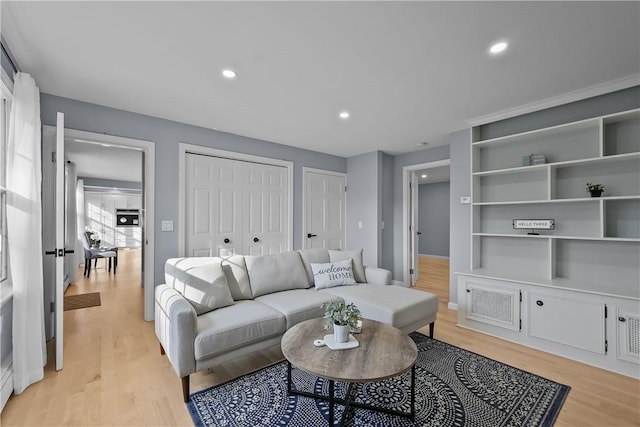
(331, 390)
(413, 392)
(288, 377)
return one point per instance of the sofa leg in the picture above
(185, 388)
(431, 326)
(161, 349)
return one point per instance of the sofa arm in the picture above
(377, 276)
(175, 324)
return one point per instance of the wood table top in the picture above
(384, 352)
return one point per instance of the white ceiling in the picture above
(408, 72)
(437, 174)
(105, 162)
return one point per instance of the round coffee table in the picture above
(384, 352)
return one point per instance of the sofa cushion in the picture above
(274, 273)
(297, 305)
(229, 328)
(320, 255)
(358, 265)
(235, 269)
(390, 304)
(333, 274)
(201, 281)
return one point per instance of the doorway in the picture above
(146, 213)
(410, 208)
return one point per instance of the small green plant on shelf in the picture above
(595, 189)
(338, 313)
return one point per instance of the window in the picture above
(5, 103)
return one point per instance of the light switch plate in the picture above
(167, 225)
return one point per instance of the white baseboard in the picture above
(6, 380)
(434, 256)
(397, 282)
(452, 306)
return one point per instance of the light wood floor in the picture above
(114, 373)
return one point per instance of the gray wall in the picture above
(417, 157)
(167, 135)
(433, 218)
(622, 100)
(363, 193)
(386, 202)
(459, 214)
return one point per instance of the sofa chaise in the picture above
(211, 310)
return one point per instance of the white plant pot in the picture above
(341, 333)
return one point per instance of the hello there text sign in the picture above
(539, 224)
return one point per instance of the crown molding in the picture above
(589, 92)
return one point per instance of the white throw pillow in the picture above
(275, 273)
(201, 281)
(358, 265)
(333, 274)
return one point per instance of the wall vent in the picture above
(495, 306)
(628, 336)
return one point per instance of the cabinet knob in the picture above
(468, 290)
(227, 240)
(539, 303)
(622, 319)
(255, 239)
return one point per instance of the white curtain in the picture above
(24, 226)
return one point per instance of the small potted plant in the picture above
(595, 189)
(342, 317)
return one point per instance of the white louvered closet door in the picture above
(234, 207)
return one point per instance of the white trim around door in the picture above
(406, 241)
(185, 148)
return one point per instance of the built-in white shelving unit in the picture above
(550, 283)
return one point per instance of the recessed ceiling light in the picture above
(422, 144)
(498, 48)
(344, 115)
(229, 73)
(424, 175)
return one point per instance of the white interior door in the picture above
(413, 228)
(325, 204)
(60, 240)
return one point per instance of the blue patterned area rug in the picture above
(454, 387)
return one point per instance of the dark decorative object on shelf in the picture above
(595, 189)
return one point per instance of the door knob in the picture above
(255, 239)
(227, 240)
(309, 235)
(419, 233)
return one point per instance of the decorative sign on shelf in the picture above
(533, 224)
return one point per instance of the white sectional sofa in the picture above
(212, 310)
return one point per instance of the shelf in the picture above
(599, 288)
(583, 199)
(509, 139)
(554, 236)
(567, 163)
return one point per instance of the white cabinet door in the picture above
(491, 302)
(324, 210)
(235, 207)
(628, 334)
(567, 320)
